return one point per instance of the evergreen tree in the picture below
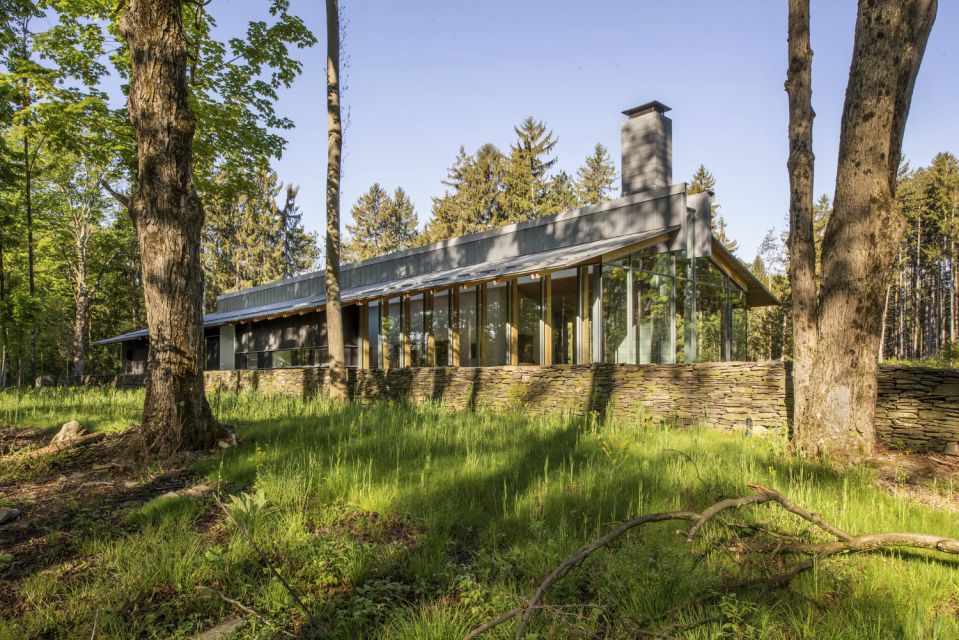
(526, 187)
(562, 193)
(703, 181)
(381, 224)
(595, 179)
(474, 197)
(299, 250)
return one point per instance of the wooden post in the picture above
(513, 295)
(428, 325)
(481, 334)
(546, 353)
(385, 343)
(585, 337)
(405, 328)
(364, 335)
(455, 325)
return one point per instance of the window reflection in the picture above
(495, 331)
(564, 299)
(529, 316)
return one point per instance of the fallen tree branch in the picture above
(843, 543)
(249, 611)
(56, 447)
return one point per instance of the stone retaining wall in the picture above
(917, 408)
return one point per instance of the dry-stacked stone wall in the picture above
(721, 394)
(917, 408)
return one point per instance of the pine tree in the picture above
(526, 188)
(562, 193)
(299, 251)
(595, 179)
(381, 224)
(703, 181)
(474, 198)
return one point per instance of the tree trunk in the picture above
(882, 325)
(802, 245)
(168, 216)
(28, 179)
(334, 314)
(864, 230)
(81, 305)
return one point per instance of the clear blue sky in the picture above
(425, 77)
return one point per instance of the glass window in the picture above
(649, 260)
(653, 299)
(393, 331)
(417, 332)
(564, 300)
(496, 332)
(685, 340)
(373, 331)
(615, 311)
(530, 314)
(739, 331)
(709, 273)
(469, 348)
(710, 323)
(441, 329)
(282, 359)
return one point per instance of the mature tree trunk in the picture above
(334, 313)
(168, 216)
(28, 179)
(802, 245)
(866, 226)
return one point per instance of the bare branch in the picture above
(843, 543)
(122, 199)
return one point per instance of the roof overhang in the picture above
(757, 295)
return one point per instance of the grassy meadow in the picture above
(402, 522)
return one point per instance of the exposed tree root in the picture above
(814, 551)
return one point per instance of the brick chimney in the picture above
(647, 146)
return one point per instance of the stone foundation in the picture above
(917, 408)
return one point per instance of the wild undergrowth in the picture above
(395, 521)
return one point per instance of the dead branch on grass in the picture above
(843, 543)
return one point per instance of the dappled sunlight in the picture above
(400, 521)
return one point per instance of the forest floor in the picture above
(390, 521)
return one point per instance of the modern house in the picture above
(639, 279)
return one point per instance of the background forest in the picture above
(69, 270)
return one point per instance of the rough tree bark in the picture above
(334, 315)
(802, 246)
(866, 226)
(168, 216)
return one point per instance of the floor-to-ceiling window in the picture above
(738, 319)
(418, 318)
(661, 308)
(529, 315)
(468, 329)
(616, 277)
(441, 329)
(495, 350)
(652, 304)
(564, 301)
(393, 332)
(373, 331)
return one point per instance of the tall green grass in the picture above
(394, 521)
(97, 409)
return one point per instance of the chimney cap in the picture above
(655, 105)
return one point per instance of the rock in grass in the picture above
(69, 431)
(222, 631)
(8, 515)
